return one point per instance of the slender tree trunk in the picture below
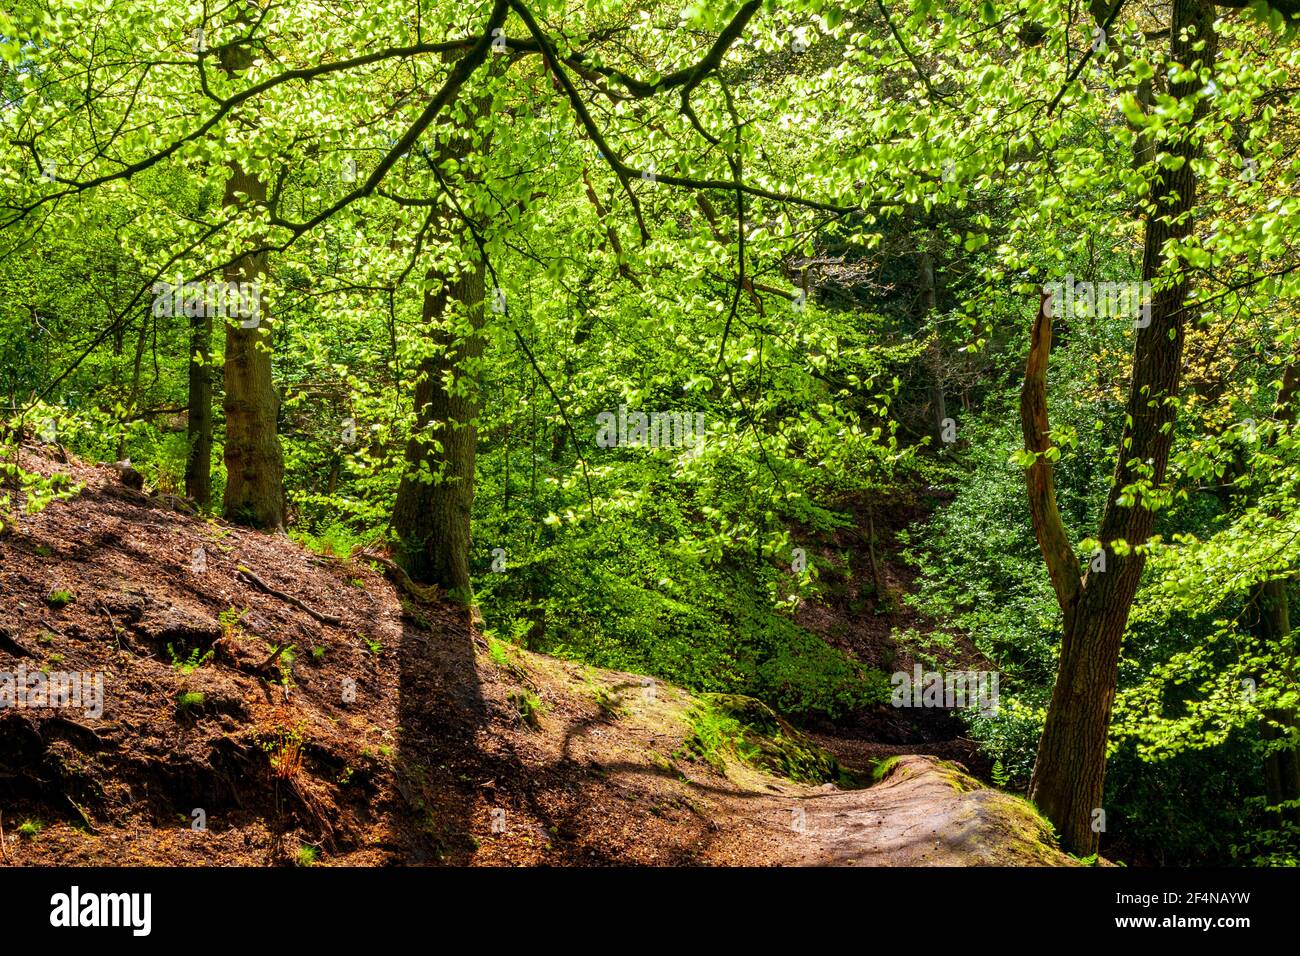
(254, 462)
(198, 465)
(137, 364)
(1283, 765)
(936, 403)
(1270, 623)
(1269, 610)
(1268, 615)
(580, 336)
(1069, 774)
(884, 600)
(431, 517)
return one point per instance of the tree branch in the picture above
(1062, 563)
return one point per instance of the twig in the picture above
(49, 626)
(1083, 60)
(249, 577)
(81, 812)
(4, 848)
(68, 722)
(274, 656)
(112, 626)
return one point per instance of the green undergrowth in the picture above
(732, 726)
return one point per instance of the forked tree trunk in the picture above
(431, 518)
(1069, 772)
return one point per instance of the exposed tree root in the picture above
(248, 577)
(425, 594)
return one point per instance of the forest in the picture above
(543, 432)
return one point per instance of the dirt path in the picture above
(923, 813)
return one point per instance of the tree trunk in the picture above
(586, 323)
(884, 600)
(936, 404)
(198, 465)
(254, 462)
(133, 397)
(431, 517)
(1271, 625)
(1069, 773)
